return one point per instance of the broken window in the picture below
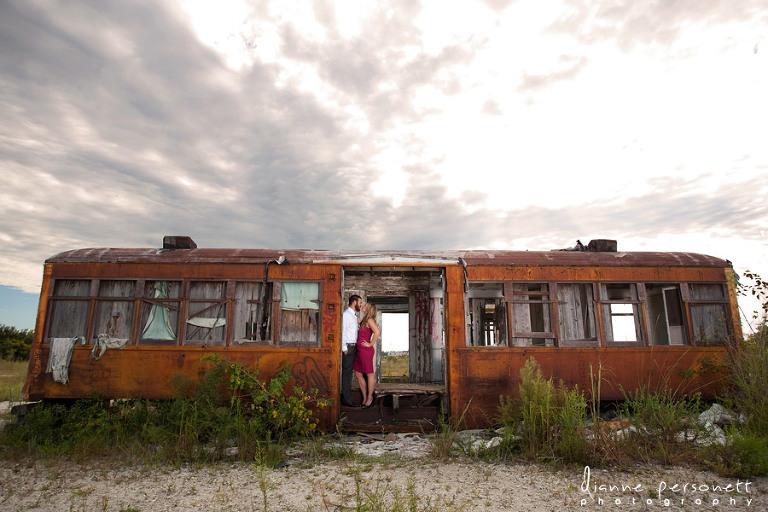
(206, 313)
(666, 325)
(247, 324)
(159, 315)
(69, 308)
(621, 314)
(531, 315)
(115, 304)
(709, 309)
(576, 314)
(299, 312)
(487, 315)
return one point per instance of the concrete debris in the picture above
(719, 415)
(412, 445)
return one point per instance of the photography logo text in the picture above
(665, 493)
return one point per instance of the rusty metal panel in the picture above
(621, 274)
(483, 375)
(149, 372)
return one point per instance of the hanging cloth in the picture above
(59, 357)
(159, 322)
(105, 341)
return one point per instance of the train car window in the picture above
(299, 312)
(206, 322)
(69, 307)
(159, 312)
(576, 314)
(487, 315)
(113, 313)
(621, 314)
(664, 305)
(250, 321)
(709, 309)
(531, 315)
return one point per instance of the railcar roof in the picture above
(392, 257)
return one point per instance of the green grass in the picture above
(12, 376)
(394, 367)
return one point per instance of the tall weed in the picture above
(548, 421)
(664, 422)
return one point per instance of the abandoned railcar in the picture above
(122, 323)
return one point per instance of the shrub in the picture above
(197, 424)
(15, 343)
(744, 454)
(547, 421)
(663, 421)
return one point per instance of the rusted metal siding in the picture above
(481, 375)
(148, 371)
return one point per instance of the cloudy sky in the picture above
(499, 124)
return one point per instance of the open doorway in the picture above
(411, 301)
(409, 361)
(394, 347)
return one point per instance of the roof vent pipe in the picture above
(178, 242)
(602, 245)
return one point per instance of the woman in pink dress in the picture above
(366, 343)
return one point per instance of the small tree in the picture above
(15, 343)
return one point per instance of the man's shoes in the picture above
(347, 404)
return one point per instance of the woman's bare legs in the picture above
(361, 382)
(371, 377)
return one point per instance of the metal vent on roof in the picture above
(178, 242)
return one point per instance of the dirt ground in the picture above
(389, 469)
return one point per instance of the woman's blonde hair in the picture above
(370, 312)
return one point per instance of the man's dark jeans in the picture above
(347, 360)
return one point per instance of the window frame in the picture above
(485, 291)
(176, 304)
(592, 341)
(100, 300)
(638, 313)
(651, 310)
(278, 312)
(221, 302)
(723, 303)
(550, 336)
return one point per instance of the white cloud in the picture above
(381, 125)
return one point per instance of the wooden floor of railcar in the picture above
(397, 407)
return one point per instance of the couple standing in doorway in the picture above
(358, 342)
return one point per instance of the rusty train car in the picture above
(119, 323)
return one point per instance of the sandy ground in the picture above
(404, 474)
(385, 468)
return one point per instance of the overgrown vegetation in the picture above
(394, 368)
(196, 425)
(15, 343)
(665, 424)
(547, 422)
(745, 451)
(653, 424)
